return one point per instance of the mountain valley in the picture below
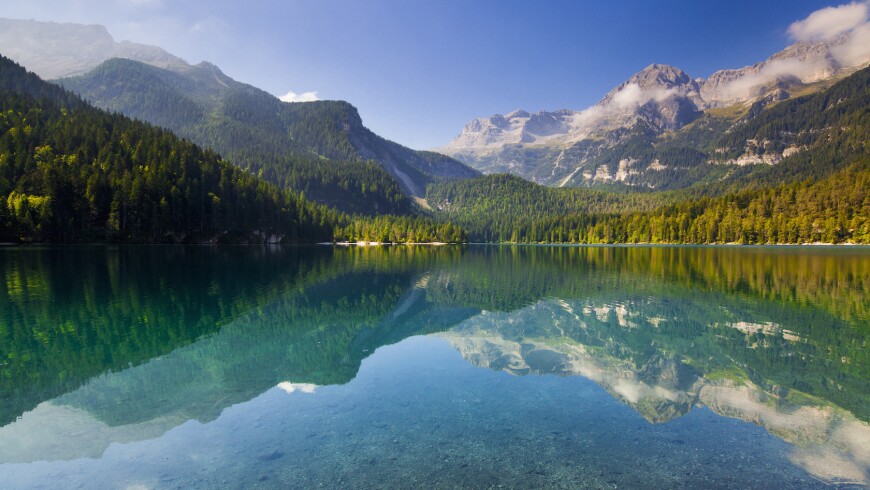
(656, 159)
(320, 148)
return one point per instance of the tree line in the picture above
(818, 194)
(73, 173)
(301, 147)
(832, 210)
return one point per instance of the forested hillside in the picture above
(320, 148)
(817, 193)
(71, 173)
(74, 173)
(835, 209)
(729, 150)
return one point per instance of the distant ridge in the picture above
(320, 148)
(571, 147)
(45, 48)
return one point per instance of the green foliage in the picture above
(320, 148)
(802, 120)
(491, 207)
(71, 173)
(231, 322)
(699, 157)
(829, 129)
(819, 194)
(399, 229)
(833, 210)
(297, 148)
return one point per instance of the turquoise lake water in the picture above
(443, 367)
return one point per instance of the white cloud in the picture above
(846, 31)
(626, 100)
(745, 87)
(621, 105)
(303, 97)
(857, 50)
(588, 117)
(829, 22)
(289, 387)
(629, 97)
(632, 96)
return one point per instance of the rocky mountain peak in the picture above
(517, 113)
(553, 147)
(801, 63)
(209, 66)
(659, 75)
(662, 95)
(655, 82)
(55, 50)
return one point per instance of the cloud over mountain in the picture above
(827, 23)
(302, 97)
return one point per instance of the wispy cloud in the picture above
(633, 96)
(289, 387)
(851, 21)
(844, 28)
(857, 50)
(303, 97)
(747, 86)
(829, 22)
(623, 103)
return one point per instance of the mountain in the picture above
(834, 209)
(253, 128)
(813, 190)
(206, 106)
(795, 67)
(664, 330)
(54, 50)
(320, 148)
(664, 378)
(656, 120)
(70, 172)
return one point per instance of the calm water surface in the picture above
(477, 366)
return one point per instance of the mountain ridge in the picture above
(73, 173)
(44, 48)
(660, 98)
(233, 117)
(320, 148)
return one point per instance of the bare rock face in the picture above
(661, 95)
(515, 127)
(658, 81)
(54, 50)
(547, 123)
(799, 64)
(544, 147)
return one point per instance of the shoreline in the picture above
(373, 244)
(647, 244)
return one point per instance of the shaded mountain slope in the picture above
(70, 172)
(321, 147)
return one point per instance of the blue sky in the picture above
(419, 70)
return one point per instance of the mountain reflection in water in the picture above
(104, 345)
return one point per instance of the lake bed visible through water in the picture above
(475, 366)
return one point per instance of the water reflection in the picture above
(668, 379)
(117, 345)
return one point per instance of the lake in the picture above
(477, 366)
